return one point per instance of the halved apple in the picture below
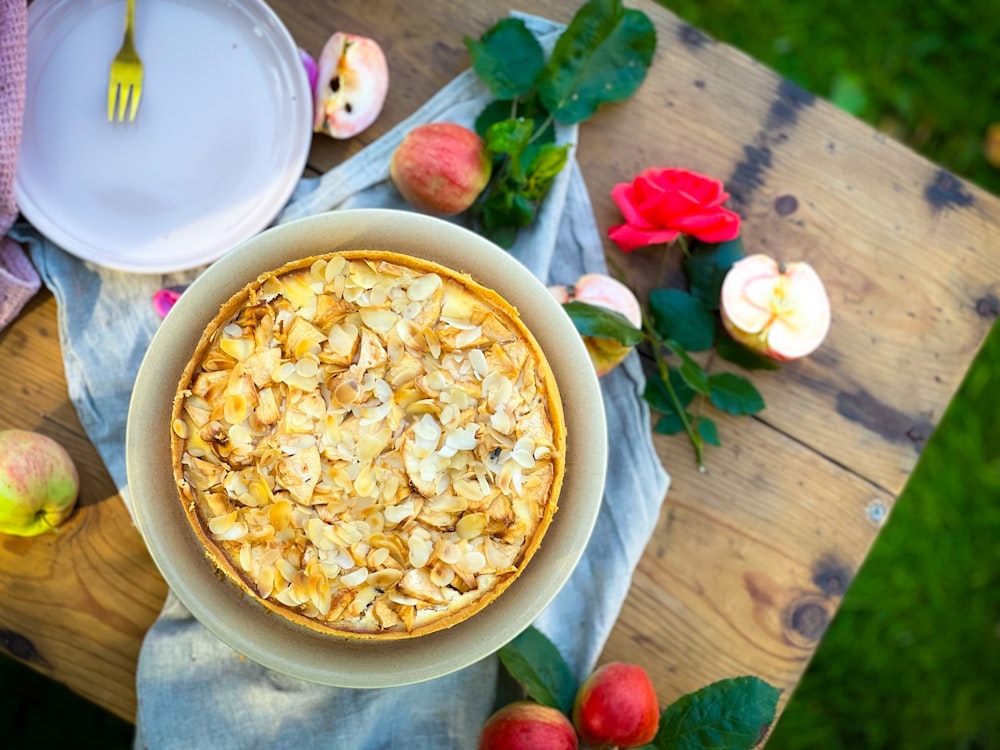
(351, 85)
(779, 310)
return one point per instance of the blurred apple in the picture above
(351, 83)
(526, 725)
(39, 484)
(603, 291)
(779, 310)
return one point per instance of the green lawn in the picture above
(913, 658)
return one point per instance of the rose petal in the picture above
(664, 208)
(623, 196)
(718, 225)
(629, 238)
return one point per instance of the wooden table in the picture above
(748, 562)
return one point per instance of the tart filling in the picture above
(369, 443)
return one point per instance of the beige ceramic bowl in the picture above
(242, 622)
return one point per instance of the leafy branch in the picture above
(602, 56)
(675, 323)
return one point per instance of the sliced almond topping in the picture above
(374, 438)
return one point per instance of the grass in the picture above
(912, 659)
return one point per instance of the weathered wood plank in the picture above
(76, 604)
(748, 564)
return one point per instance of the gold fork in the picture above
(125, 84)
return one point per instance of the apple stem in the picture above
(43, 517)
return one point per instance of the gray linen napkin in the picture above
(193, 690)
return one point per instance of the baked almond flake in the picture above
(370, 444)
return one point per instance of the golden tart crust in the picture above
(369, 444)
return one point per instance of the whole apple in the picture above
(526, 725)
(440, 168)
(39, 484)
(617, 707)
(603, 291)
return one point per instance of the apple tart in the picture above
(369, 444)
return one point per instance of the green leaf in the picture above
(494, 112)
(691, 371)
(709, 431)
(734, 394)
(669, 424)
(706, 268)
(657, 396)
(501, 235)
(507, 58)
(679, 316)
(541, 164)
(732, 714)
(534, 661)
(509, 136)
(530, 108)
(733, 351)
(592, 320)
(505, 207)
(602, 56)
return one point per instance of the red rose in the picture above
(660, 204)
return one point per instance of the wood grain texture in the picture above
(749, 562)
(75, 604)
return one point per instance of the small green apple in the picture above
(39, 484)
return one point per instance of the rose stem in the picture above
(663, 368)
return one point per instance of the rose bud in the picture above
(603, 291)
(617, 707)
(440, 168)
(351, 85)
(526, 725)
(779, 310)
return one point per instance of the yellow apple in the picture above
(603, 291)
(39, 484)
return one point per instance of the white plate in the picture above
(220, 140)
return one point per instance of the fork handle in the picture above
(129, 17)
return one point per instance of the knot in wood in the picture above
(806, 620)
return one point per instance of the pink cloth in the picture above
(18, 279)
